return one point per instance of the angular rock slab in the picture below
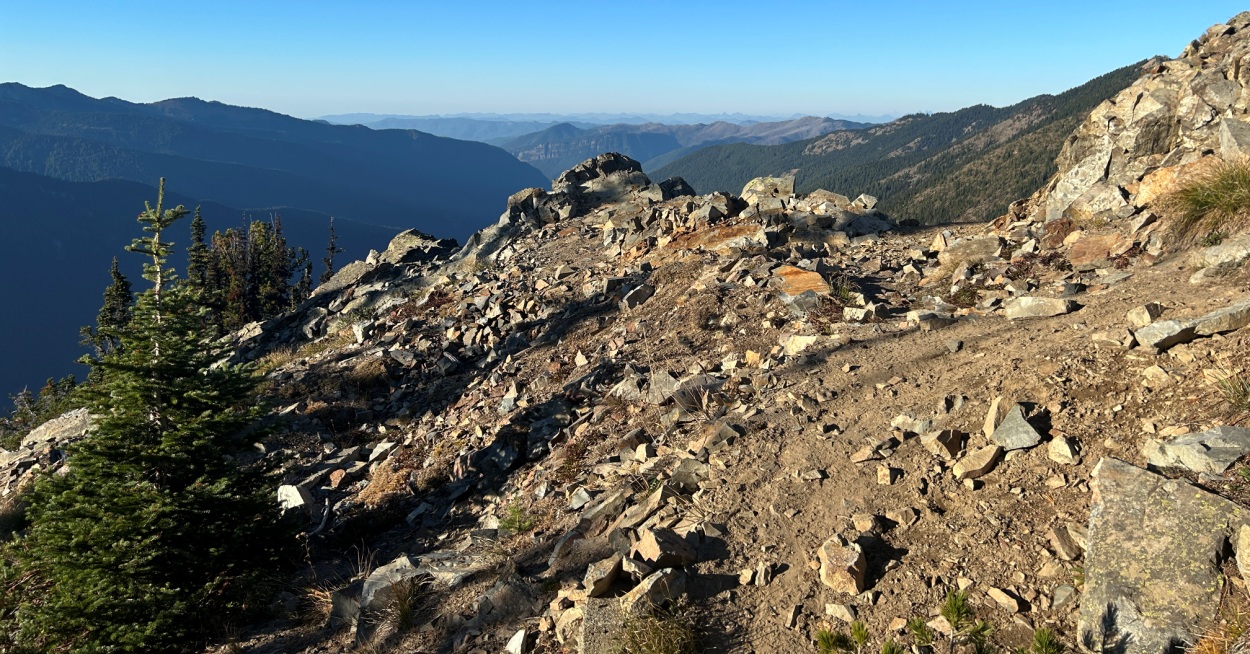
(842, 566)
(1152, 577)
(1213, 451)
(69, 426)
(1014, 432)
(1163, 334)
(380, 586)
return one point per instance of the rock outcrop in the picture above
(1173, 124)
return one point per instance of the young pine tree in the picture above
(114, 314)
(197, 254)
(331, 250)
(157, 530)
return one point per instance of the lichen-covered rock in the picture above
(1152, 577)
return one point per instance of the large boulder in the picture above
(1152, 574)
(607, 178)
(412, 246)
(768, 187)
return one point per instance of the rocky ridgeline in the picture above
(603, 354)
(788, 411)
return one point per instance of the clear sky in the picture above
(312, 57)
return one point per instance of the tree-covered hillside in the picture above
(966, 165)
(251, 158)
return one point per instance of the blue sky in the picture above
(310, 58)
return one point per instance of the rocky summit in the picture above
(774, 414)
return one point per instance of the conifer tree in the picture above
(114, 314)
(303, 288)
(197, 254)
(331, 250)
(157, 529)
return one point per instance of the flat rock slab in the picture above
(58, 431)
(1228, 319)
(1152, 576)
(1038, 307)
(1015, 433)
(795, 281)
(1213, 451)
(1164, 334)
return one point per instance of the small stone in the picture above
(637, 296)
(844, 612)
(842, 566)
(991, 417)
(1144, 315)
(635, 569)
(1038, 307)
(517, 644)
(866, 522)
(763, 573)
(946, 443)
(1061, 450)
(1062, 596)
(580, 498)
(1014, 432)
(904, 517)
(600, 575)
(978, 463)
(792, 616)
(1004, 599)
(658, 589)
(1065, 543)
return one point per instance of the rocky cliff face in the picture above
(1178, 118)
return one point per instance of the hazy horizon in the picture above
(317, 58)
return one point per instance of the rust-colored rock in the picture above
(796, 281)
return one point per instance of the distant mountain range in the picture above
(254, 158)
(60, 237)
(498, 129)
(596, 118)
(563, 146)
(934, 168)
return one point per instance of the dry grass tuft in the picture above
(275, 359)
(390, 480)
(662, 631)
(339, 339)
(1235, 389)
(1220, 637)
(1217, 202)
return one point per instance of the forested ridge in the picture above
(958, 166)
